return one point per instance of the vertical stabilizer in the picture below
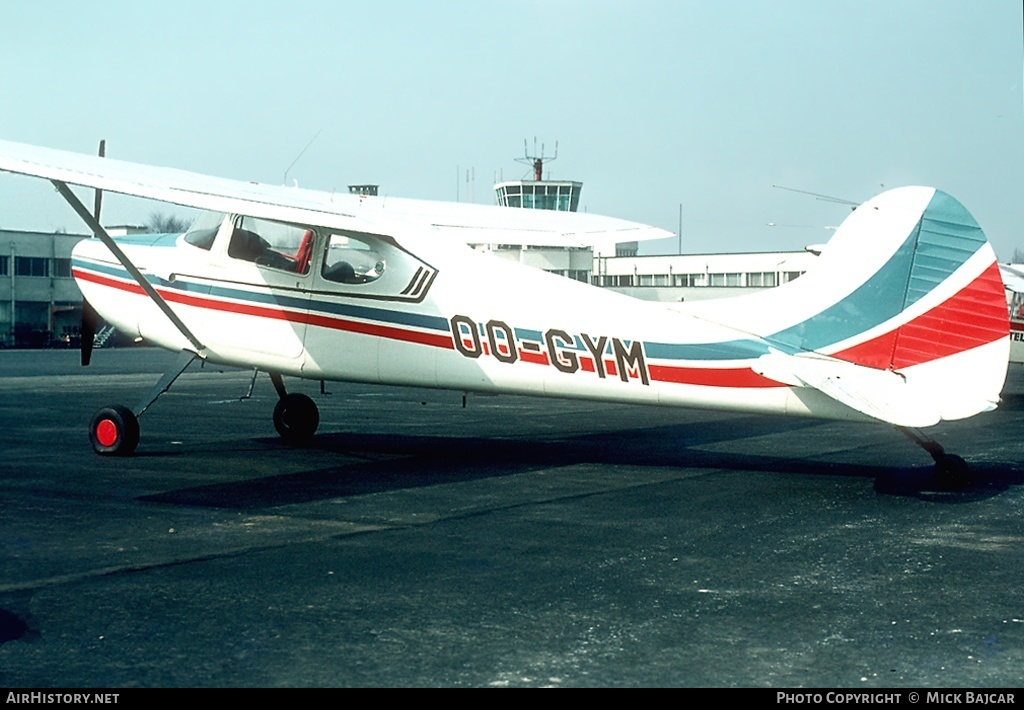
(935, 309)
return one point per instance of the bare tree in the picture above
(160, 223)
(1018, 256)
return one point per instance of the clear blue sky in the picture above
(654, 103)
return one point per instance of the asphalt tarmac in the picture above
(509, 542)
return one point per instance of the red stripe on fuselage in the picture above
(972, 317)
(740, 377)
(534, 358)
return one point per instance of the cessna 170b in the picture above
(902, 320)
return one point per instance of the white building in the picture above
(652, 278)
(689, 277)
(576, 263)
(39, 301)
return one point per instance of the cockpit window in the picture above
(274, 245)
(372, 266)
(351, 260)
(203, 231)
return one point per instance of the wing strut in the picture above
(146, 286)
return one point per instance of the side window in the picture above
(351, 260)
(274, 245)
(363, 265)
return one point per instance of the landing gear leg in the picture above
(296, 416)
(114, 430)
(951, 471)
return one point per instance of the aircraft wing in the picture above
(489, 224)
(468, 223)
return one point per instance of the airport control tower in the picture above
(539, 194)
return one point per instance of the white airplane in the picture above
(903, 320)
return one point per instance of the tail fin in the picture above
(953, 300)
(909, 284)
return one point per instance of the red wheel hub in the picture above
(106, 432)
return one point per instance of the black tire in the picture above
(951, 472)
(114, 431)
(296, 418)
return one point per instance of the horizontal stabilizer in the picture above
(880, 394)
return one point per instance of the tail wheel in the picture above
(951, 472)
(296, 418)
(114, 431)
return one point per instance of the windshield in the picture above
(204, 229)
(275, 245)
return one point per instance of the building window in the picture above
(690, 280)
(31, 266)
(563, 197)
(729, 279)
(762, 279)
(4, 265)
(62, 268)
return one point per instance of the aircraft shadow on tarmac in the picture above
(389, 462)
(1011, 401)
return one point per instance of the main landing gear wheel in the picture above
(114, 431)
(296, 418)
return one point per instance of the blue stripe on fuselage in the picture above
(273, 297)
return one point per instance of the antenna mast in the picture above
(535, 160)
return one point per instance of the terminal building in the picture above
(654, 278)
(540, 194)
(693, 277)
(40, 304)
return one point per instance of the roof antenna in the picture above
(818, 195)
(537, 161)
(300, 155)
